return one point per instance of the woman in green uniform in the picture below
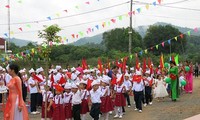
(173, 72)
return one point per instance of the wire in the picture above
(44, 20)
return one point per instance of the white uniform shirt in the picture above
(95, 96)
(49, 96)
(76, 98)
(104, 89)
(32, 89)
(42, 83)
(58, 99)
(84, 94)
(68, 97)
(7, 78)
(57, 77)
(119, 89)
(128, 84)
(73, 77)
(138, 86)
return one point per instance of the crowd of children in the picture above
(74, 93)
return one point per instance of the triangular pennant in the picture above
(97, 26)
(120, 17)
(141, 52)
(159, 1)
(57, 14)
(108, 23)
(28, 25)
(11, 32)
(169, 41)
(20, 29)
(196, 29)
(176, 38)
(131, 56)
(188, 33)
(65, 11)
(49, 18)
(147, 6)
(154, 3)
(130, 13)
(76, 36)
(139, 10)
(145, 51)
(73, 36)
(163, 44)
(133, 12)
(157, 47)
(77, 7)
(87, 2)
(181, 35)
(113, 20)
(7, 6)
(6, 34)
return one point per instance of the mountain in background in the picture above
(20, 42)
(140, 29)
(97, 39)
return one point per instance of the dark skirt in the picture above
(49, 113)
(106, 104)
(84, 106)
(68, 110)
(120, 100)
(58, 112)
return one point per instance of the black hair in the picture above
(114, 67)
(79, 65)
(158, 76)
(172, 62)
(14, 67)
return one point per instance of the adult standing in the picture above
(196, 70)
(189, 78)
(174, 80)
(15, 107)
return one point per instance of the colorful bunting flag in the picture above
(169, 41)
(113, 20)
(7, 6)
(147, 6)
(139, 10)
(176, 38)
(176, 59)
(120, 17)
(49, 18)
(181, 35)
(159, 1)
(163, 44)
(157, 47)
(20, 29)
(188, 33)
(154, 3)
(196, 29)
(97, 26)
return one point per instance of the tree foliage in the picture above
(157, 34)
(118, 39)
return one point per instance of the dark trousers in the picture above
(148, 96)
(138, 99)
(39, 99)
(1, 98)
(126, 95)
(95, 111)
(143, 97)
(76, 112)
(196, 73)
(33, 101)
(24, 93)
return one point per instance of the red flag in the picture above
(150, 65)
(69, 75)
(114, 80)
(181, 35)
(62, 80)
(89, 86)
(35, 77)
(52, 79)
(58, 88)
(124, 64)
(161, 62)
(151, 82)
(121, 80)
(137, 62)
(84, 64)
(144, 65)
(173, 58)
(100, 66)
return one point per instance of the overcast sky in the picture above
(36, 10)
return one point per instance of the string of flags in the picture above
(89, 30)
(34, 51)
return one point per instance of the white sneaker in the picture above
(33, 113)
(145, 105)
(129, 106)
(135, 109)
(140, 111)
(116, 116)
(110, 112)
(120, 116)
(37, 112)
(150, 103)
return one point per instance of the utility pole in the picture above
(8, 47)
(130, 28)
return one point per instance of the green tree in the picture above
(49, 34)
(157, 34)
(118, 39)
